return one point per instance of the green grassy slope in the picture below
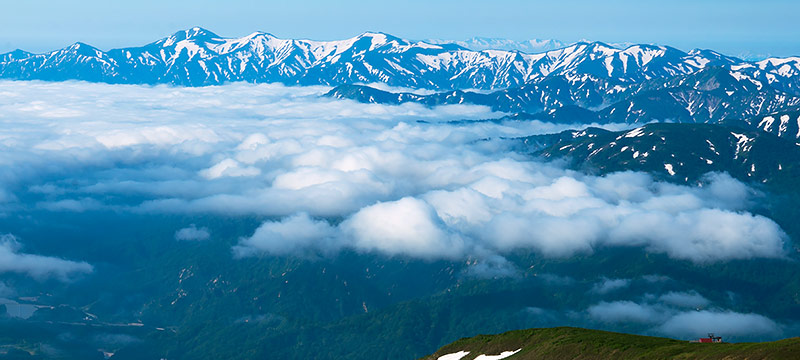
(575, 343)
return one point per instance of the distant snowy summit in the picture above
(198, 57)
(532, 46)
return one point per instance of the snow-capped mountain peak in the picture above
(197, 56)
(195, 34)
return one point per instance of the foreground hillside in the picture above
(575, 343)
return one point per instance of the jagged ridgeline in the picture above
(710, 95)
(198, 57)
(573, 343)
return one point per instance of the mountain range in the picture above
(198, 57)
(710, 95)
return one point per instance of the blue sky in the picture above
(731, 26)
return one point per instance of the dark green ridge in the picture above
(575, 343)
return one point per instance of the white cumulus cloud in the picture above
(407, 226)
(289, 236)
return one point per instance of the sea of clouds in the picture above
(333, 174)
(328, 175)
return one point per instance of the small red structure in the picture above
(710, 339)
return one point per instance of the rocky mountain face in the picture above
(681, 153)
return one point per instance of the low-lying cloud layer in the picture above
(192, 232)
(671, 315)
(39, 267)
(698, 323)
(334, 174)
